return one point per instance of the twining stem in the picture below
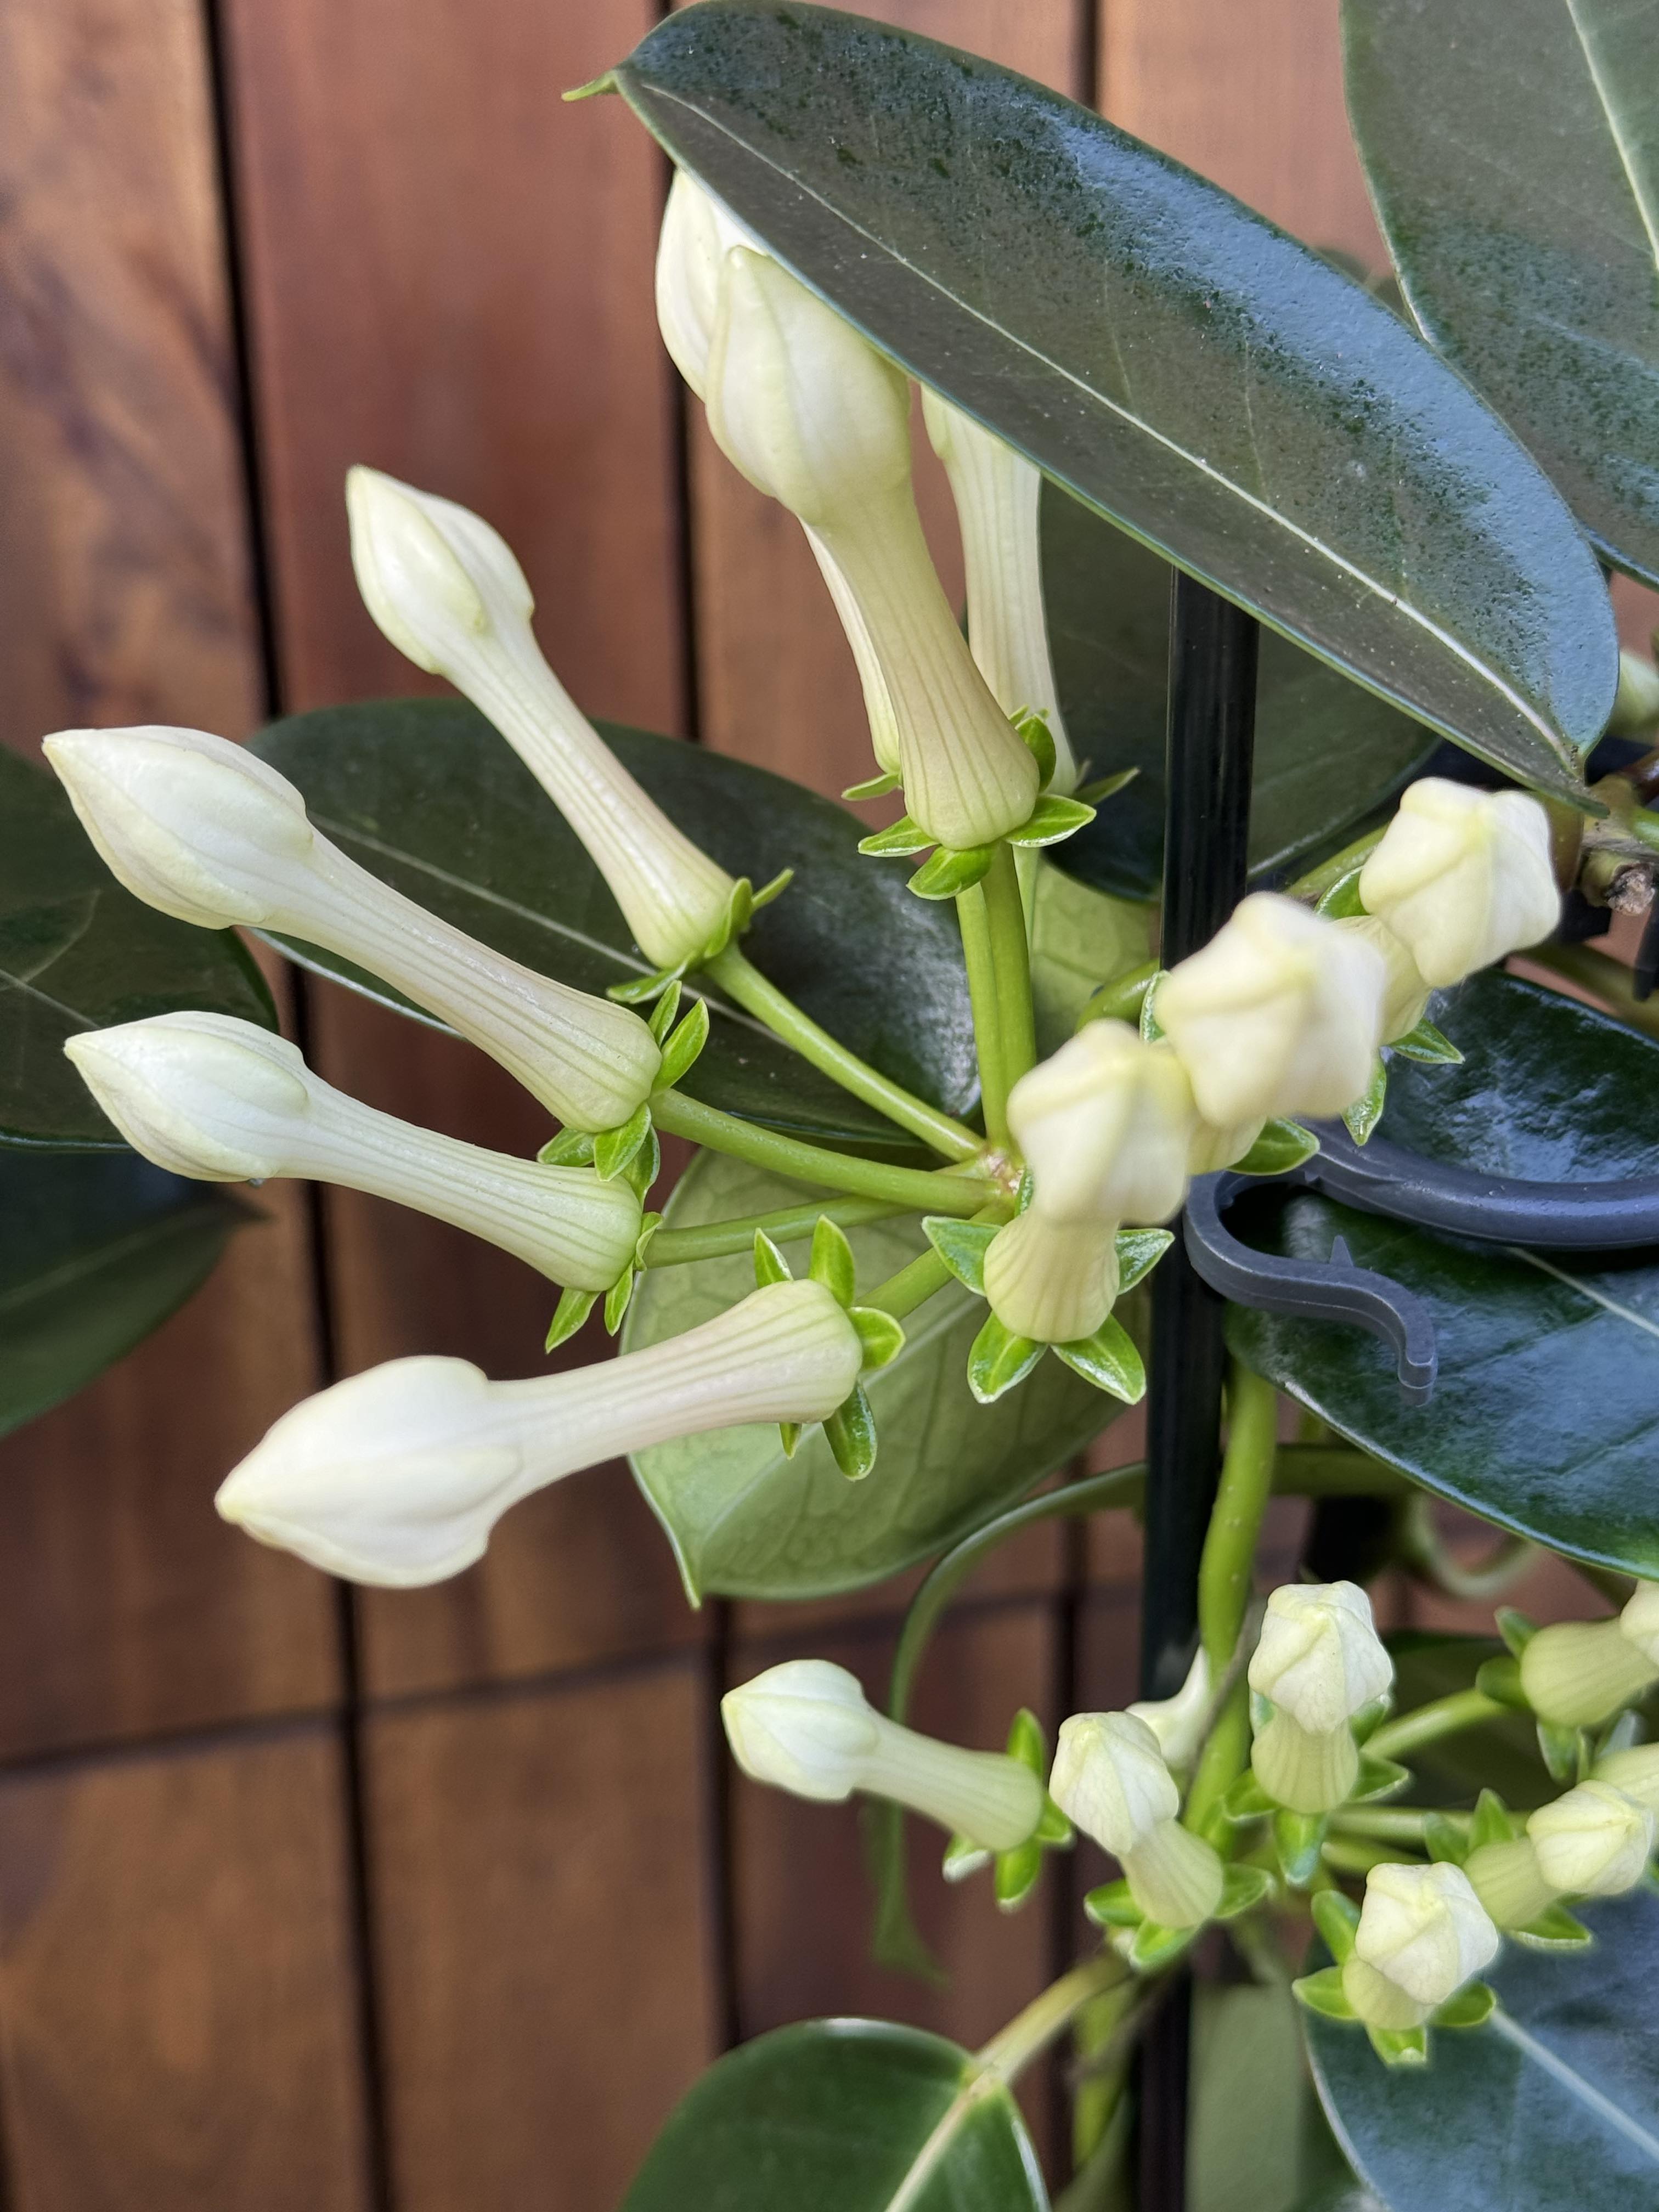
(1355, 1854)
(1120, 1001)
(1487, 1578)
(917, 1187)
(975, 927)
(1224, 1577)
(1397, 1824)
(1011, 959)
(1444, 1717)
(671, 1248)
(1029, 2033)
(741, 981)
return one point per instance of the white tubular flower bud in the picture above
(698, 232)
(998, 494)
(397, 1476)
(1639, 1621)
(1280, 1013)
(1307, 1770)
(1636, 1772)
(1594, 1842)
(1463, 877)
(1213, 1148)
(1109, 1777)
(1404, 995)
(1054, 1281)
(209, 1096)
(1578, 1674)
(1177, 1721)
(815, 418)
(210, 834)
(1320, 1659)
(806, 1727)
(446, 590)
(1509, 1882)
(1106, 1126)
(1422, 1934)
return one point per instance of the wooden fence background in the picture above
(343, 1903)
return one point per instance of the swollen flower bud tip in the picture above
(210, 834)
(806, 1727)
(1463, 877)
(221, 1100)
(1110, 1778)
(1320, 1659)
(397, 1476)
(1636, 1772)
(1280, 1013)
(446, 589)
(1106, 1126)
(1053, 1281)
(1404, 994)
(1594, 1842)
(698, 233)
(1422, 1932)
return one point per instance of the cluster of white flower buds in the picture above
(1111, 1778)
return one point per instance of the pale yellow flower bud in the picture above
(1509, 1882)
(1406, 995)
(1639, 1621)
(1054, 1281)
(1109, 1777)
(698, 232)
(1105, 1126)
(1422, 1932)
(1636, 707)
(1594, 1842)
(1578, 1674)
(1307, 1770)
(1463, 877)
(1211, 1148)
(1178, 1721)
(1320, 1658)
(1636, 1772)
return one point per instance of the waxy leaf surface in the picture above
(1211, 384)
(1512, 149)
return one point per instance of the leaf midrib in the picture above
(1648, 214)
(81, 1265)
(1595, 2100)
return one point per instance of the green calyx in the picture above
(1015, 1871)
(1363, 1117)
(850, 1431)
(999, 1359)
(744, 903)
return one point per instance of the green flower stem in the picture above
(917, 1187)
(1391, 1824)
(1030, 2033)
(673, 1247)
(1314, 885)
(1120, 1000)
(742, 981)
(1011, 961)
(911, 1287)
(1224, 1578)
(1445, 1717)
(1352, 1855)
(974, 921)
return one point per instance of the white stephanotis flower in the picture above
(1053, 1281)
(1422, 1934)
(807, 1726)
(207, 1096)
(397, 1476)
(1596, 1841)
(1319, 1662)
(446, 590)
(1463, 877)
(212, 835)
(1106, 1126)
(1111, 1778)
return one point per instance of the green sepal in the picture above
(1336, 1916)
(1492, 1822)
(1500, 1680)
(902, 836)
(1429, 1044)
(778, 885)
(740, 909)
(1112, 1906)
(1281, 1146)
(1053, 1827)
(963, 1857)
(1363, 1117)
(1242, 1886)
(962, 1245)
(1109, 1360)
(649, 1224)
(1016, 1874)
(660, 1020)
(832, 1263)
(645, 1167)
(1246, 1800)
(1024, 1191)
(571, 1148)
(851, 1431)
(998, 1359)
(681, 1051)
(1366, 1721)
(1399, 2046)
(1104, 787)
(1378, 1778)
(638, 988)
(1554, 1930)
(1298, 1839)
(879, 1332)
(1560, 1749)
(614, 1148)
(569, 1314)
(1028, 1742)
(1341, 902)
(1138, 1251)
(789, 1437)
(1032, 727)
(1154, 1947)
(945, 873)
(1516, 1631)
(1052, 819)
(1446, 1843)
(770, 1266)
(877, 786)
(1151, 1029)
(1324, 1993)
(617, 1300)
(1471, 2006)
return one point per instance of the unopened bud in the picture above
(1639, 1621)
(1636, 1772)
(1463, 877)
(1106, 1126)
(806, 1727)
(1577, 1674)
(1509, 1882)
(1306, 1770)
(397, 1476)
(1054, 1281)
(1422, 1934)
(1109, 1777)
(1320, 1658)
(1279, 1013)
(446, 589)
(210, 834)
(698, 232)
(208, 1096)
(1178, 1721)
(1404, 994)
(1594, 1842)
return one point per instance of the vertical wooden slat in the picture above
(176, 2014)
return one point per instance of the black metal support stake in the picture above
(1213, 665)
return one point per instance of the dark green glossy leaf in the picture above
(1215, 387)
(843, 2116)
(746, 1522)
(426, 795)
(96, 1249)
(1546, 1416)
(1512, 150)
(1327, 752)
(77, 952)
(1553, 2102)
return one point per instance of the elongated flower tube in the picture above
(1510, 1883)
(1281, 1012)
(1463, 877)
(998, 494)
(815, 418)
(219, 1099)
(1109, 1777)
(444, 588)
(397, 1476)
(1634, 1771)
(807, 1726)
(1054, 1281)
(1178, 1721)
(1106, 1128)
(1319, 1662)
(1405, 994)
(212, 835)
(1577, 1674)
(1596, 1841)
(1422, 1934)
